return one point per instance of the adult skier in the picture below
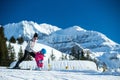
(28, 51)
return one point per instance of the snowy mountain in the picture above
(27, 29)
(95, 41)
(102, 48)
(105, 50)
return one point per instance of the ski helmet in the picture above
(43, 51)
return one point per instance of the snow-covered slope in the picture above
(102, 48)
(10, 74)
(59, 65)
(37, 48)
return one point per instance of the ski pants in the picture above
(24, 57)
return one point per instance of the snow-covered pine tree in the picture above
(52, 56)
(11, 52)
(20, 53)
(63, 57)
(73, 52)
(66, 57)
(20, 40)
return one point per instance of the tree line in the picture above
(7, 51)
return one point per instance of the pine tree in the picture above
(12, 40)
(66, 57)
(78, 53)
(82, 55)
(11, 53)
(63, 57)
(20, 40)
(71, 57)
(12, 56)
(20, 53)
(3, 48)
(52, 56)
(88, 55)
(73, 53)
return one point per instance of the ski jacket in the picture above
(39, 57)
(30, 46)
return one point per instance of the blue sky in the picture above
(97, 15)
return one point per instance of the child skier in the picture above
(39, 57)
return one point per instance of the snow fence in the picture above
(59, 65)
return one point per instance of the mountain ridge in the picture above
(28, 28)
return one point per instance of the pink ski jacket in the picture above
(39, 57)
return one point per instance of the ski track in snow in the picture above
(10, 74)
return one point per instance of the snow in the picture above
(15, 74)
(71, 31)
(58, 70)
(59, 65)
(28, 28)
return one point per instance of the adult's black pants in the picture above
(26, 54)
